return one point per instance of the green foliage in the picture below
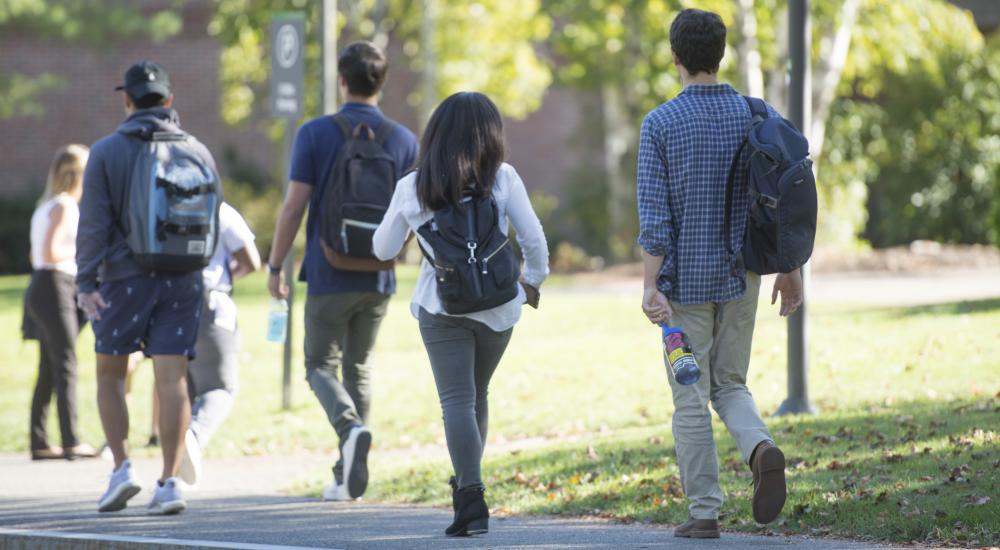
(19, 94)
(259, 207)
(496, 54)
(242, 27)
(918, 126)
(92, 23)
(99, 23)
(15, 232)
(922, 472)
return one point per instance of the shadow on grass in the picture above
(922, 471)
(985, 305)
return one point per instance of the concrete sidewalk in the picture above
(52, 505)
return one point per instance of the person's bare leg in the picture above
(154, 428)
(111, 371)
(175, 409)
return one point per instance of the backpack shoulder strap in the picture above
(758, 109)
(385, 129)
(344, 125)
(730, 183)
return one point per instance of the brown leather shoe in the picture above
(768, 466)
(48, 453)
(698, 529)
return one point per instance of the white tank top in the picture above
(40, 227)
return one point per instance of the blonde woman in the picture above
(50, 302)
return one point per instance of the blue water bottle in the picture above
(277, 320)
(680, 358)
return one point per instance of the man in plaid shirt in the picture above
(685, 149)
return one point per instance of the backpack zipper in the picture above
(494, 253)
(353, 223)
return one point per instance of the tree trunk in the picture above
(777, 80)
(428, 76)
(620, 195)
(827, 80)
(748, 51)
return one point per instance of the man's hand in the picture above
(790, 287)
(656, 306)
(92, 304)
(532, 293)
(278, 289)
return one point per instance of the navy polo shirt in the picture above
(313, 155)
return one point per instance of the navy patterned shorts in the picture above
(157, 313)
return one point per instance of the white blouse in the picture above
(405, 215)
(40, 228)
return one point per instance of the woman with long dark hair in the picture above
(461, 164)
(50, 304)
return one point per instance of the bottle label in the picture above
(676, 354)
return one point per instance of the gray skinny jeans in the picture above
(463, 354)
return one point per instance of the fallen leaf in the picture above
(836, 465)
(973, 500)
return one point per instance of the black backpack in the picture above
(356, 197)
(473, 260)
(171, 204)
(781, 228)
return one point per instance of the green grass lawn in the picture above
(923, 471)
(588, 366)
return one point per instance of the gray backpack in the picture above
(171, 202)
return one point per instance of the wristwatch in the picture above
(272, 269)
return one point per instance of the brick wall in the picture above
(86, 107)
(546, 148)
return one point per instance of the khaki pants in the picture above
(720, 335)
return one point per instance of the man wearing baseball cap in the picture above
(132, 308)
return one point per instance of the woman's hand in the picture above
(532, 293)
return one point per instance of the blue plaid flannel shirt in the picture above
(685, 148)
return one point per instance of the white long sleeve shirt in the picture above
(405, 215)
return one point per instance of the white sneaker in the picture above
(336, 491)
(355, 455)
(122, 487)
(190, 468)
(167, 499)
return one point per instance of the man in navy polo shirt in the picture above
(344, 308)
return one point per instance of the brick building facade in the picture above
(86, 108)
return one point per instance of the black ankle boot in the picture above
(454, 496)
(472, 516)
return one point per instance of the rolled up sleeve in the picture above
(655, 235)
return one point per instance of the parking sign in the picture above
(288, 33)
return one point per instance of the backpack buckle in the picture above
(768, 201)
(472, 251)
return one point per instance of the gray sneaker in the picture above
(190, 468)
(122, 487)
(167, 499)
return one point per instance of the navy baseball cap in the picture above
(144, 78)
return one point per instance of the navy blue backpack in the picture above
(781, 228)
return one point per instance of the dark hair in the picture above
(363, 66)
(698, 39)
(460, 152)
(148, 101)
